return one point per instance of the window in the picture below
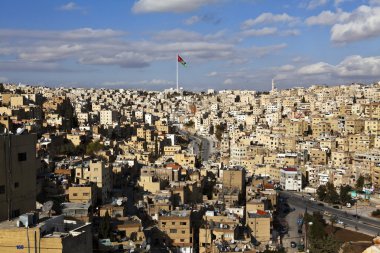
(173, 231)
(86, 194)
(17, 184)
(182, 240)
(182, 223)
(75, 194)
(22, 157)
(183, 231)
(2, 189)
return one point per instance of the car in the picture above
(348, 205)
(326, 213)
(356, 216)
(336, 207)
(340, 222)
(293, 244)
(312, 199)
(321, 204)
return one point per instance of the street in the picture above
(364, 225)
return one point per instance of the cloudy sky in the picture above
(228, 44)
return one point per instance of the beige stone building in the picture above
(178, 230)
(49, 236)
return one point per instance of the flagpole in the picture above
(177, 73)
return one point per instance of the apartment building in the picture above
(18, 171)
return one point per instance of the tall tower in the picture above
(273, 85)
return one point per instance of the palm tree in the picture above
(333, 220)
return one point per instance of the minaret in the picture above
(273, 87)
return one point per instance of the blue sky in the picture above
(228, 44)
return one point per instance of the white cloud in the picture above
(374, 2)
(146, 6)
(259, 32)
(290, 32)
(156, 82)
(192, 20)
(354, 67)
(328, 18)
(269, 18)
(213, 73)
(76, 34)
(265, 50)
(363, 23)
(228, 81)
(115, 83)
(316, 3)
(3, 79)
(316, 69)
(71, 6)
(206, 18)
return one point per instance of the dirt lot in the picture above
(345, 235)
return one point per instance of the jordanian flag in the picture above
(180, 60)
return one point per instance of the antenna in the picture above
(48, 205)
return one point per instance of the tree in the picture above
(360, 183)
(2, 89)
(333, 220)
(105, 227)
(332, 195)
(322, 192)
(344, 194)
(219, 130)
(211, 130)
(93, 148)
(189, 124)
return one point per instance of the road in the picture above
(365, 225)
(200, 141)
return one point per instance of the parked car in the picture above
(293, 244)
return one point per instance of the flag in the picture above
(180, 60)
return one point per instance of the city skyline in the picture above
(227, 44)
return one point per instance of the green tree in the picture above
(211, 130)
(219, 130)
(105, 227)
(2, 89)
(332, 195)
(360, 183)
(333, 221)
(94, 147)
(322, 192)
(344, 194)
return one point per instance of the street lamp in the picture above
(306, 239)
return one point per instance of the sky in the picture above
(227, 44)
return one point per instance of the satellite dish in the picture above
(20, 130)
(48, 205)
(119, 202)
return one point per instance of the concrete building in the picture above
(18, 170)
(290, 179)
(177, 226)
(52, 235)
(107, 117)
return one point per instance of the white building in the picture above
(291, 179)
